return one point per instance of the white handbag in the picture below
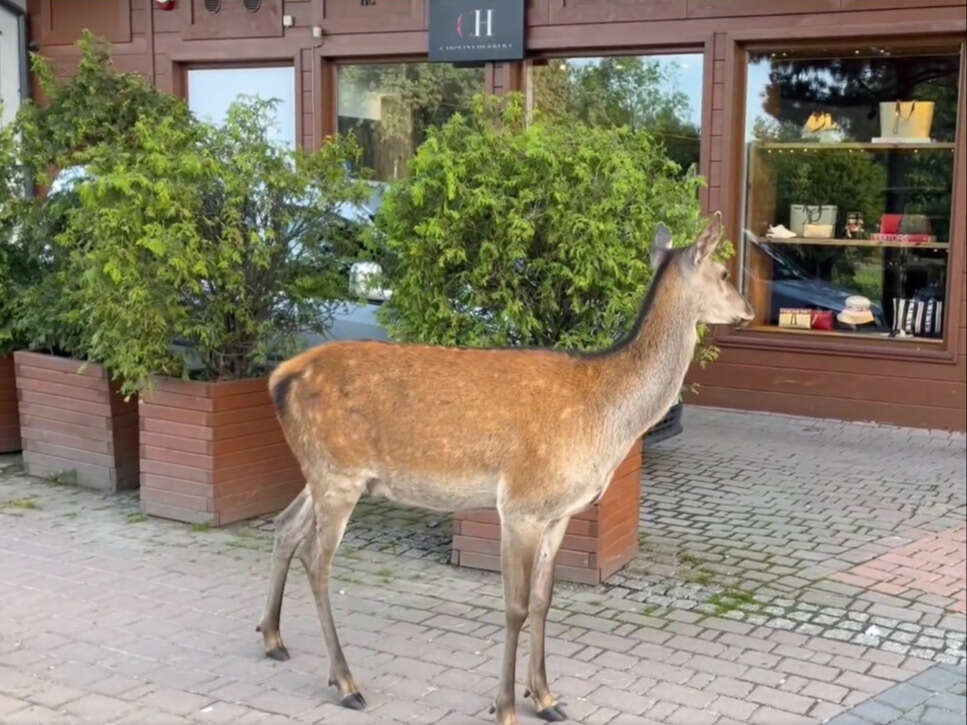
(906, 119)
(802, 214)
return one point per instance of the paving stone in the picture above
(876, 711)
(904, 696)
(936, 679)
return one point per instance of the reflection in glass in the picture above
(212, 90)
(389, 107)
(849, 179)
(660, 93)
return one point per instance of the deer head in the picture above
(706, 280)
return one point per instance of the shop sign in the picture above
(470, 31)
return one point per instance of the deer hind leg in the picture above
(333, 507)
(540, 601)
(518, 544)
(292, 526)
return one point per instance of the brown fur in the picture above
(535, 433)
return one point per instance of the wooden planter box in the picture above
(73, 420)
(214, 452)
(598, 542)
(9, 416)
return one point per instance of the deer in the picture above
(534, 433)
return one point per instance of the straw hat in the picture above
(856, 312)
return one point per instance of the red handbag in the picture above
(821, 319)
(890, 223)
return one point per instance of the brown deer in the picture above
(535, 433)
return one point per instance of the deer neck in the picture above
(644, 375)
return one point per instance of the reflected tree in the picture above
(389, 107)
(631, 91)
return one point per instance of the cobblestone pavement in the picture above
(791, 571)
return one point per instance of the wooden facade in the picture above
(838, 377)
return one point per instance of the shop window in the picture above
(850, 163)
(12, 64)
(212, 90)
(389, 107)
(659, 93)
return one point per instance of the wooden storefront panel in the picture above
(616, 11)
(161, 44)
(364, 16)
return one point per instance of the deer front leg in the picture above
(540, 602)
(518, 544)
(291, 527)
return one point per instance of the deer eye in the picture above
(725, 274)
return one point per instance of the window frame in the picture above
(837, 344)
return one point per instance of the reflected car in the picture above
(794, 287)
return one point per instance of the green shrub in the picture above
(97, 105)
(511, 233)
(14, 265)
(214, 238)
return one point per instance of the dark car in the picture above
(793, 287)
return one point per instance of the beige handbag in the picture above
(802, 214)
(797, 317)
(906, 119)
(818, 231)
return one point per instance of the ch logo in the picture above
(482, 23)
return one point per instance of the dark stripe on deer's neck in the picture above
(643, 376)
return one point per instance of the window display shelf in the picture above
(872, 335)
(852, 146)
(852, 243)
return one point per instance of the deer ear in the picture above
(708, 240)
(660, 245)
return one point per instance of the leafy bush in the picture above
(13, 263)
(97, 105)
(212, 237)
(512, 233)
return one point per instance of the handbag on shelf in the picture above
(923, 318)
(818, 231)
(802, 214)
(821, 320)
(906, 120)
(796, 317)
(820, 126)
(890, 223)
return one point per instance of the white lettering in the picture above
(489, 22)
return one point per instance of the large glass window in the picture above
(390, 106)
(850, 162)
(12, 63)
(660, 93)
(212, 90)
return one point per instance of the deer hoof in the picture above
(279, 653)
(555, 713)
(355, 701)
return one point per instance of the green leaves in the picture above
(186, 248)
(514, 234)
